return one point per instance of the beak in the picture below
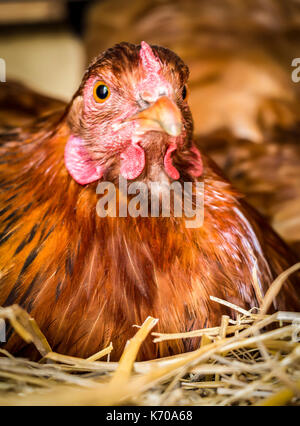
(164, 115)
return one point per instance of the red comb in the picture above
(150, 63)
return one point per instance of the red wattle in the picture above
(132, 161)
(79, 164)
(170, 169)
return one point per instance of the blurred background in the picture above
(240, 52)
(47, 43)
(40, 42)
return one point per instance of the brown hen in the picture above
(87, 279)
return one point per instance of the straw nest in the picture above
(251, 360)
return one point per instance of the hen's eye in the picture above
(184, 93)
(101, 92)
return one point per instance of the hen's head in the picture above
(130, 117)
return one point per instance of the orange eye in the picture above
(101, 92)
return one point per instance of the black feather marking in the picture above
(12, 218)
(58, 290)
(14, 293)
(69, 265)
(13, 221)
(3, 211)
(50, 324)
(27, 240)
(45, 215)
(30, 305)
(47, 235)
(32, 255)
(7, 233)
(28, 291)
(21, 246)
(27, 207)
(11, 198)
(4, 236)
(32, 233)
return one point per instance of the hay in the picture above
(241, 362)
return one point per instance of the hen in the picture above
(87, 279)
